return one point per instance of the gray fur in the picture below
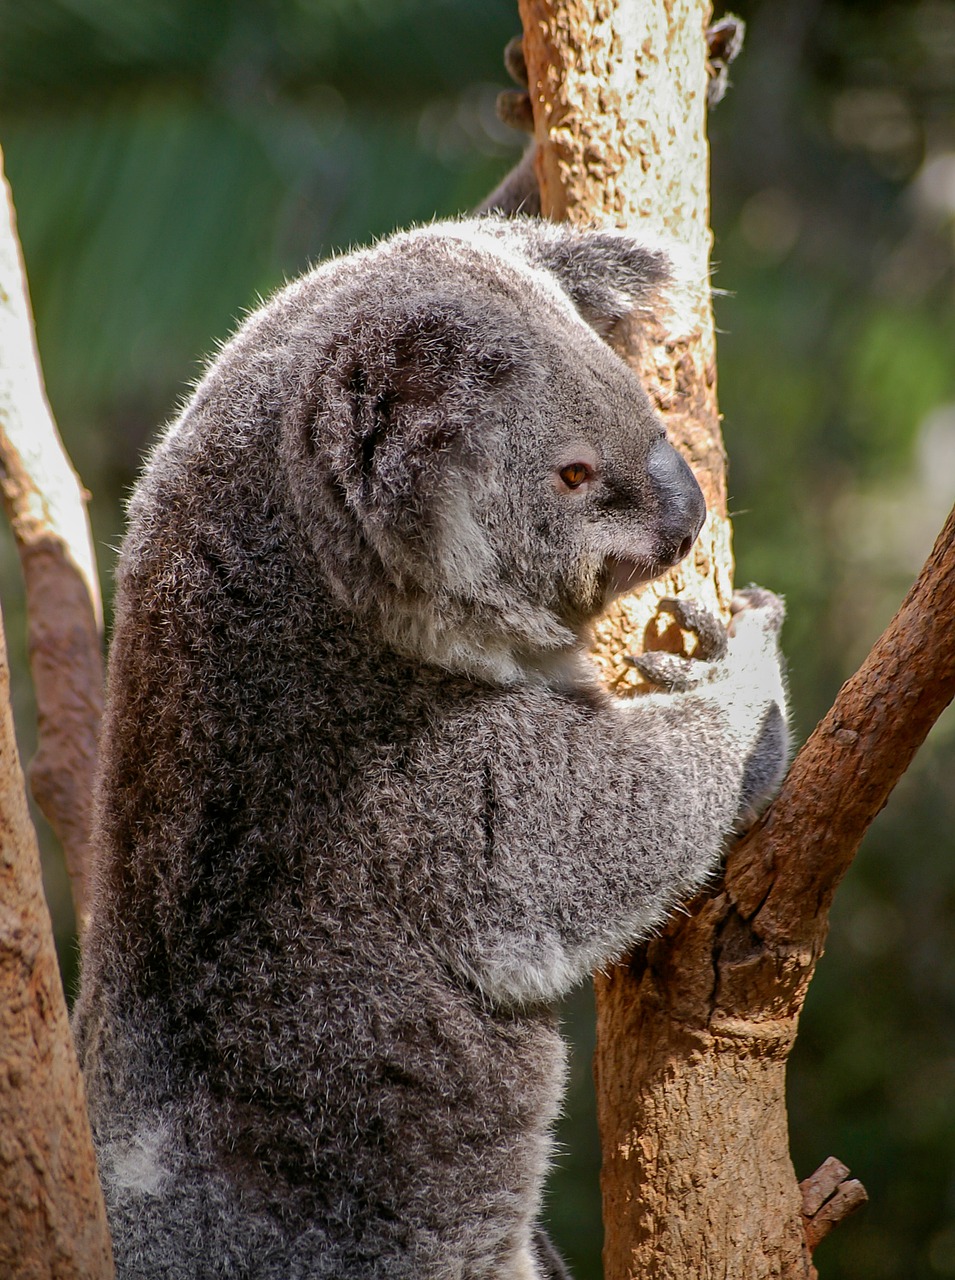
(364, 814)
(518, 191)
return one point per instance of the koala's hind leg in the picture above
(550, 1265)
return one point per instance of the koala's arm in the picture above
(518, 190)
(597, 820)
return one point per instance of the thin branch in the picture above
(829, 1196)
(47, 509)
(784, 874)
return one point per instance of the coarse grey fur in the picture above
(364, 814)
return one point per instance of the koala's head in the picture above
(479, 472)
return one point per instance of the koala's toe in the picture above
(708, 629)
(669, 671)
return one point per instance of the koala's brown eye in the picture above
(575, 473)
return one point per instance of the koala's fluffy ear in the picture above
(607, 274)
(398, 388)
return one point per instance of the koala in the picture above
(365, 814)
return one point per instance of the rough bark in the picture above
(695, 1030)
(46, 506)
(52, 1217)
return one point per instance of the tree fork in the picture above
(694, 1031)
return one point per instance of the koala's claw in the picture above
(670, 671)
(676, 673)
(514, 105)
(514, 61)
(709, 631)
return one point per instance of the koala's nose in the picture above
(682, 509)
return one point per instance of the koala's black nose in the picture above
(681, 509)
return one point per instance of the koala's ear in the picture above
(607, 274)
(399, 387)
(432, 359)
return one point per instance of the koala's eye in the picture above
(575, 474)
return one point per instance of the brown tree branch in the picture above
(46, 507)
(784, 874)
(52, 1216)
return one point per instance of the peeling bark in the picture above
(46, 506)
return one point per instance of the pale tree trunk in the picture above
(694, 1031)
(52, 1216)
(46, 506)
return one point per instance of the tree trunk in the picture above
(618, 91)
(695, 1029)
(52, 1217)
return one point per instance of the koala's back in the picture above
(282, 1078)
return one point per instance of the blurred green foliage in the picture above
(174, 160)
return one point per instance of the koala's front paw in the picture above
(709, 631)
(678, 674)
(668, 670)
(739, 670)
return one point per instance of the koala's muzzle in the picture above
(681, 508)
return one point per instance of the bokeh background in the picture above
(173, 161)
